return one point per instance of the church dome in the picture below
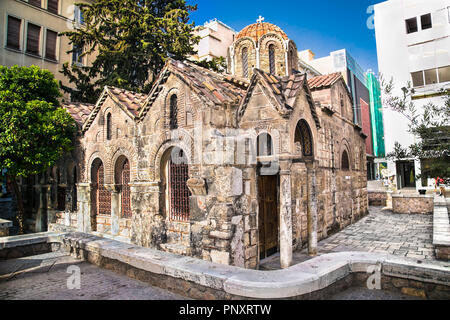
(257, 30)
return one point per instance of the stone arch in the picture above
(158, 151)
(241, 44)
(122, 152)
(274, 41)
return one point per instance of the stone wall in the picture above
(412, 204)
(377, 198)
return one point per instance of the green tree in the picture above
(430, 123)
(130, 40)
(34, 130)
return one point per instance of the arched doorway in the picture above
(268, 183)
(100, 196)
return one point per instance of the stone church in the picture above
(229, 168)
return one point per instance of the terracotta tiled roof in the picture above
(257, 30)
(79, 111)
(214, 88)
(131, 100)
(217, 88)
(284, 89)
(323, 81)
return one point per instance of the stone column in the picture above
(285, 214)
(84, 207)
(312, 208)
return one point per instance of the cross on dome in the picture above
(260, 19)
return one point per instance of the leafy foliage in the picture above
(130, 41)
(430, 123)
(34, 130)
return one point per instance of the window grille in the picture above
(272, 59)
(245, 62)
(178, 190)
(125, 191)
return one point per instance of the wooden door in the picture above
(268, 215)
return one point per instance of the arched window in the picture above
(272, 59)
(108, 127)
(123, 179)
(264, 146)
(245, 62)
(173, 112)
(303, 137)
(345, 163)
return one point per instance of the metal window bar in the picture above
(126, 192)
(103, 195)
(179, 192)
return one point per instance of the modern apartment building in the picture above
(29, 34)
(215, 39)
(413, 45)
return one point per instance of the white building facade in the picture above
(413, 45)
(215, 39)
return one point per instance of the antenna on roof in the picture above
(260, 19)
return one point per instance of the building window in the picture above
(36, 3)
(342, 105)
(426, 21)
(173, 112)
(264, 145)
(417, 79)
(50, 45)
(33, 35)
(430, 76)
(76, 55)
(13, 36)
(52, 6)
(345, 163)
(303, 137)
(78, 16)
(108, 127)
(411, 25)
(272, 59)
(444, 74)
(245, 62)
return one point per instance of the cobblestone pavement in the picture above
(44, 277)
(404, 235)
(356, 293)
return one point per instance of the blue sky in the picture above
(322, 25)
